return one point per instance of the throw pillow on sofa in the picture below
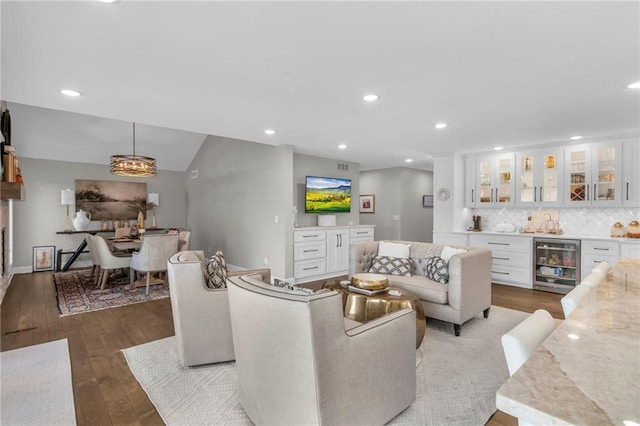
(437, 269)
(447, 252)
(217, 271)
(393, 249)
(391, 266)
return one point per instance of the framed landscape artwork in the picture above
(367, 203)
(43, 258)
(106, 200)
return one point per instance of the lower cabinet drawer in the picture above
(590, 261)
(309, 250)
(506, 258)
(308, 268)
(511, 274)
(361, 234)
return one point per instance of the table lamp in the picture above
(153, 197)
(68, 197)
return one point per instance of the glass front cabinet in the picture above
(539, 178)
(494, 181)
(593, 174)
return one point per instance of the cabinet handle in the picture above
(309, 236)
(363, 232)
(473, 201)
(309, 251)
(499, 272)
(491, 195)
(535, 194)
(541, 188)
(498, 244)
(627, 191)
(594, 192)
(308, 269)
(601, 249)
(501, 258)
(587, 192)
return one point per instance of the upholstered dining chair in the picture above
(200, 314)
(185, 239)
(297, 364)
(153, 255)
(571, 300)
(108, 262)
(95, 258)
(519, 343)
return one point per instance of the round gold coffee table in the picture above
(363, 308)
(368, 281)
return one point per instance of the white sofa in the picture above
(467, 293)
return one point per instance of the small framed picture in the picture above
(44, 258)
(427, 201)
(367, 203)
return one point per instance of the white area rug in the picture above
(457, 379)
(36, 387)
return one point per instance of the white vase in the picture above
(81, 220)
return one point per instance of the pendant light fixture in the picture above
(133, 165)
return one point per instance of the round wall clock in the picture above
(443, 194)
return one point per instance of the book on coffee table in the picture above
(367, 292)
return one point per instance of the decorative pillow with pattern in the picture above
(420, 265)
(217, 271)
(437, 269)
(391, 266)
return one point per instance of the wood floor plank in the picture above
(105, 390)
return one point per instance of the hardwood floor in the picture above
(105, 391)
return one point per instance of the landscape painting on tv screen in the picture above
(327, 195)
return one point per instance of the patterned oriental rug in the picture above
(457, 378)
(76, 292)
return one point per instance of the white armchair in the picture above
(298, 365)
(153, 255)
(200, 314)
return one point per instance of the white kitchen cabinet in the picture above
(510, 256)
(338, 250)
(631, 174)
(494, 183)
(323, 252)
(593, 175)
(470, 189)
(539, 178)
(596, 251)
(630, 250)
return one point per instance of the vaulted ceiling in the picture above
(499, 73)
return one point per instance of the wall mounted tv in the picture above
(327, 195)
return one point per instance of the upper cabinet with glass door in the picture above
(494, 181)
(593, 175)
(539, 178)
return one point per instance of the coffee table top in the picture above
(368, 281)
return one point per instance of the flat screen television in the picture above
(327, 195)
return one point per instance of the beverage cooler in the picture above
(557, 264)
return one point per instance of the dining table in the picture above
(125, 244)
(587, 372)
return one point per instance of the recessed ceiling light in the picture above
(270, 132)
(498, 148)
(342, 146)
(576, 138)
(409, 160)
(69, 92)
(371, 97)
(441, 125)
(635, 85)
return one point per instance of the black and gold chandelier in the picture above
(133, 165)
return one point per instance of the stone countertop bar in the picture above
(542, 235)
(593, 379)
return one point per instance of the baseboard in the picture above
(22, 269)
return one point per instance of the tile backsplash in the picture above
(589, 222)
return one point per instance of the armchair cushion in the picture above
(217, 271)
(391, 266)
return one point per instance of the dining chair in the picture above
(108, 261)
(185, 239)
(123, 232)
(153, 255)
(95, 258)
(571, 300)
(522, 340)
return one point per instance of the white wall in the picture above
(398, 192)
(306, 165)
(40, 215)
(232, 205)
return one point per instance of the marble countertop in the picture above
(560, 236)
(588, 371)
